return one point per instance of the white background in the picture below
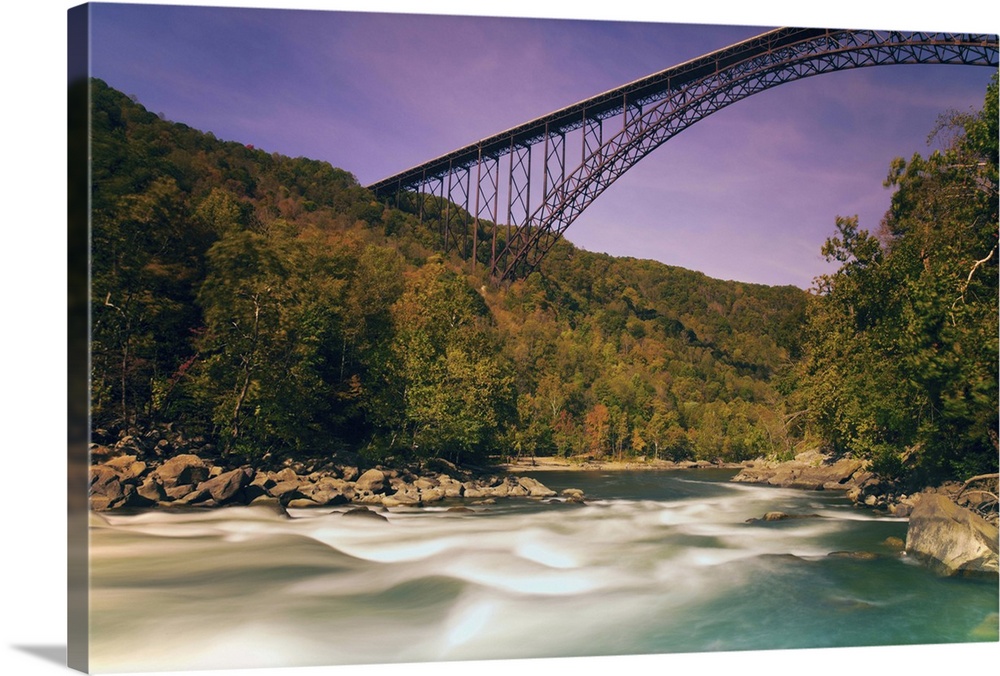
(32, 375)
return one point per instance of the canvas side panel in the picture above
(78, 295)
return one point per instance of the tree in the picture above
(457, 393)
(902, 357)
(274, 315)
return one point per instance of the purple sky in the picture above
(748, 193)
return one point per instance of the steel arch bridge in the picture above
(505, 200)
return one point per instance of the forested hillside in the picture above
(273, 306)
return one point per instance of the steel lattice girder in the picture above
(653, 110)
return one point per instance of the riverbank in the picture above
(163, 468)
(952, 526)
(542, 464)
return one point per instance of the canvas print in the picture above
(403, 338)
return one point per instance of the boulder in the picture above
(198, 496)
(263, 480)
(106, 489)
(781, 516)
(303, 503)
(405, 496)
(857, 556)
(810, 471)
(227, 486)
(894, 543)
(372, 481)
(452, 487)
(329, 491)
(535, 488)
(364, 512)
(266, 502)
(127, 467)
(284, 488)
(471, 489)
(287, 474)
(429, 495)
(952, 540)
(182, 470)
(152, 490)
(178, 492)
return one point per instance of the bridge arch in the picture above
(493, 180)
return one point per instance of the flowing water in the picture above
(654, 562)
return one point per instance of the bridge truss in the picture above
(515, 193)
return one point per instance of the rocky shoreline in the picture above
(545, 464)
(163, 469)
(948, 527)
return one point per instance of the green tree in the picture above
(902, 358)
(457, 393)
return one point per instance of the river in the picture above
(654, 562)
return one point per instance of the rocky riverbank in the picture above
(952, 527)
(543, 464)
(163, 469)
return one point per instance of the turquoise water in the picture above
(654, 562)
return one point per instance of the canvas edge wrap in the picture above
(78, 339)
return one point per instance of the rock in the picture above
(302, 503)
(573, 495)
(251, 492)
(181, 470)
(127, 467)
(178, 492)
(152, 490)
(781, 516)
(198, 495)
(364, 512)
(429, 495)
(858, 556)
(471, 490)
(227, 486)
(106, 489)
(262, 480)
(452, 488)
(809, 470)
(287, 474)
(266, 502)
(328, 497)
(405, 496)
(952, 540)
(894, 543)
(462, 510)
(987, 629)
(535, 488)
(372, 481)
(284, 490)
(99, 452)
